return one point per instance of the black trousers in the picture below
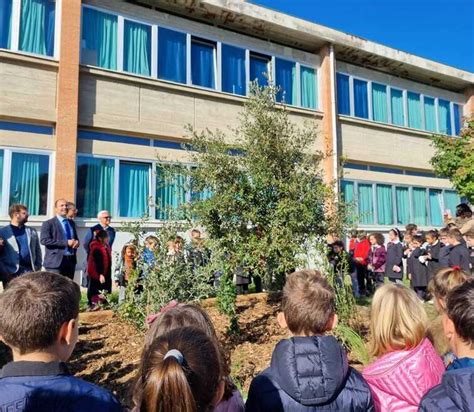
(67, 268)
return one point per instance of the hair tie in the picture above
(456, 267)
(174, 353)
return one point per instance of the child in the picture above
(455, 393)
(377, 258)
(444, 251)
(127, 265)
(361, 256)
(458, 253)
(394, 262)
(179, 372)
(39, 321)
(408, 366)
(148, 257)
(340, 259)
(174, 316)
(432, 253)
(416, 268)
(309, 371)
(353, 242)
(99, 268)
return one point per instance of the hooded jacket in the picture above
(309, 374)
(399, 379)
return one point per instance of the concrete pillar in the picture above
(67, 100)
(468, 112)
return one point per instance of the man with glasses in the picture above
(104, 224)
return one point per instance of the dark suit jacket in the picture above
(54, 240)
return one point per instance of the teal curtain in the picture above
(384, 205)
(379, 102)
(99, 39)
(137, 48)
(285, 80)
(5, 23)
(444, 117)
(430, 114)
(170, 194)
(414, 110)
(134, 190)
(451, 200)
(396, 98)
(95, 185)
(365, 203)
(37, 26)
(29, 182)
(309, 89)
(436, 207)
(403, 205)
(419, 206)
(457, 119)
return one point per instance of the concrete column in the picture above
(468, 111)
(67, 100)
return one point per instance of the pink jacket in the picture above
(398, 380)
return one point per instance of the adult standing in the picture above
(21, 250)
(71, 210)
(59, 236)
(99, 268)
(104, 224)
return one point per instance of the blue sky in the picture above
(440, 30)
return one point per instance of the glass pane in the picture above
(134, 189)
(343, 103)
(430, 114)
(419, 206)
(365, 203)
(170, 194)
(403, 205)
(414, 110)
(137, 48)
(285, 78)
(444, 117)
(309, 88)
(2, 156)
(5, 23)
(99, 39)
(347, 189)
(202, 64)
(171, 55)
(451, 200)
(379, 102)
(37, 26)
(29, 182)
(95, 185)
(457, 119)
(361, 103)
(398, 117)
(436, 207)
(384, 205)
(259, 69)
(233, 70)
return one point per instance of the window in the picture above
(203, 71)
(5, 23)
(171, 55)
(95, 185)
(233, 70)
(419, 206)
(137, 48)
(444, 116)
(436, 207)
(134, 189)
(457, 119)
(29, 181)
(361, 104)
(2, 156)
(430, 114)
(343, 95)
(451, 200)
(285, 80)
(259, 69)
(170, 193)
(309, 97)
(396, 98)
(347, 189)
(414, 110)
(379, 102)
(365, 203)
(402, 198)
(384, 205)
(99, 39)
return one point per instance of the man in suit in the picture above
(104, 224)
(59, 236)
(21, 249)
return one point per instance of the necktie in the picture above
(67, 228)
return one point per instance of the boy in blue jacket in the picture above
(456, 390)
(309, 371)
(39, 321)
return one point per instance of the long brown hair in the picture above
(169, 385)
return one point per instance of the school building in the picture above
(93, 92)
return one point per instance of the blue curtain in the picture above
(5, 23)
(419, 206)
(451, 200)
(285, 79)
(170, 194)
(202, 64)
(361, 103)
(99, 39)
(95, 185)
(1, 173)
(365, 203)
(457, 119)
(414, 110)
(384, 205)
(259, 70)
(233, 70)
(37, 26)
(379, 102)
(403, 205)
(444, 117)
(309, 88)
(343, 96)
(29, 182)
(137, 48)
(171, 55)
(430, 114)
(134, 189)
(398, 117)
(436, 207)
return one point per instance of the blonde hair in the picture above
(443, 282)
(397, 320)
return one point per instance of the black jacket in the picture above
(418, 270)
(459, 256)
(394, 257)
(433, 264)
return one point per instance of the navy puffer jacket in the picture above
(309, 374)
(454, 393)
